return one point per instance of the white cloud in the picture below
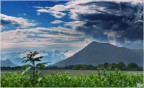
(42, 11)
(112, 34)
(114, 42)
(39, 7)
(74, 7)
(58, 14)
(76, 2)
(40, 54)
(74, 24)
(54, 11)
(57, 22)
(79, 9)
(21, 55)
(42, 37)
(16, 21)
(69, 53)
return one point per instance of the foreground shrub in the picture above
(101, 79)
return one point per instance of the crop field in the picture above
(74, 72)
(74, 78)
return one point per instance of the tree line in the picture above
(120, 66)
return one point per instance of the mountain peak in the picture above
(8, 60)
(94, 43)
(97, 53)
(7, 63)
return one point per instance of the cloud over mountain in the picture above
(42, 37)
(120, 21)
(123, 19)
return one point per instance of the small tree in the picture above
(33, 57)
(121, 66)
(106, 65)
(113, 65)
(133, 66)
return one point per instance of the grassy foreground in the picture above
(100, 79)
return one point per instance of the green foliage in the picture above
(41, 65)
(32, 56)
(133, 66)
(120, 66)
(101, 79)
(34, 75)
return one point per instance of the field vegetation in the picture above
(99, 79)
(31, 76)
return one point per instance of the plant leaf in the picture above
(27, 67)
(39, 79)
(25, 61)
(42, 65)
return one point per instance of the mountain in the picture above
(17, 56)
(7, 63)
(98, 53)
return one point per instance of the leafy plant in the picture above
(31, 77)
(33, 57)
(104, 79)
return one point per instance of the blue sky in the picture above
(68, 26)
(26, 9)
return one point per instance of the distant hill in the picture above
(52, 56)
(98, 53)
(7, 63)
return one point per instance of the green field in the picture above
(74, 72)
(74, 78)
